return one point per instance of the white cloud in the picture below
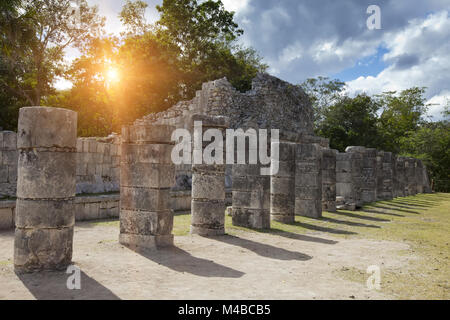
(419, 55)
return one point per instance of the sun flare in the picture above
(112, 75)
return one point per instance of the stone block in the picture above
(205, 186)
(6, 219)
(148, 134)
(144, 199)
(146, 223)
(250, 218)
(308, 208)
(42, 249)
(9, 141)
(46, 175)
(255, 199)
(147, 175)
(45, 213)
(145, 242)
(208, 217)
(41, 127)
(153, 153)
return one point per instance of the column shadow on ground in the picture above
(179, 260)
(300, 237)
(53, 286)
(358, 216)
(367, 210)
(349, 223)
(264, 250)
(395, 209)
(322, 229)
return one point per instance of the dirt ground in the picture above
(243, 266)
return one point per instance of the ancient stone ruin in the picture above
(45, 215)
(53, 166)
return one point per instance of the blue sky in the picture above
(300, 39)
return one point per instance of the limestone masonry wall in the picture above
(8, 164)
(98, 164)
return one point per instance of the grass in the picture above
(421, 221)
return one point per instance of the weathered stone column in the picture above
(46, 186)
(426, 180)
(410, 172)
(380, 174)
(369, 185)
(329, 180)
(419, 176)
(282, 184)
(251, 199)
(208, 184)
(400, 177)
(349, 176)
(146, 175)
(308, 180)
(384, 173)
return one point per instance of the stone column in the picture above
(45, 211)
(419, 176)
(380, 175)
(308, 180)
(282, 184)
(369, 185)
(349, 175)
(410, 172)
(384, 173)
(400, 172)
(208, 184)
(329, 180)
(388, 174)
(251, 200)
(147, 174)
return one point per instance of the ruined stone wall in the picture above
(98, 164)
(270, 104)
(8, 164)
(365, 175)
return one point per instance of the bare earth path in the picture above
(244, 265)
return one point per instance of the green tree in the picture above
(34, 37)
(205, 34)
(323, 92)
(351, 122)
(403, 112)
(431, 143)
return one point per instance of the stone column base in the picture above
(145, 242)
(206, 232)
(282, 218)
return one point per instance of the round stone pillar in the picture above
(208, 180)
(282, 183)
(146, 175)
(46, 185)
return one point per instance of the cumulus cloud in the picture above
(419, 55)
(303, 39)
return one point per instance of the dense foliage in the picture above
(392, 121)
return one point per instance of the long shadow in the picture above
(264, 250)
(358, 216)
(395, 209)
(323, 229)
(380, 212)
(348, 223)
(415, 203)
(181, 261)
(53, 286)
(404, 206)
(301, 237)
